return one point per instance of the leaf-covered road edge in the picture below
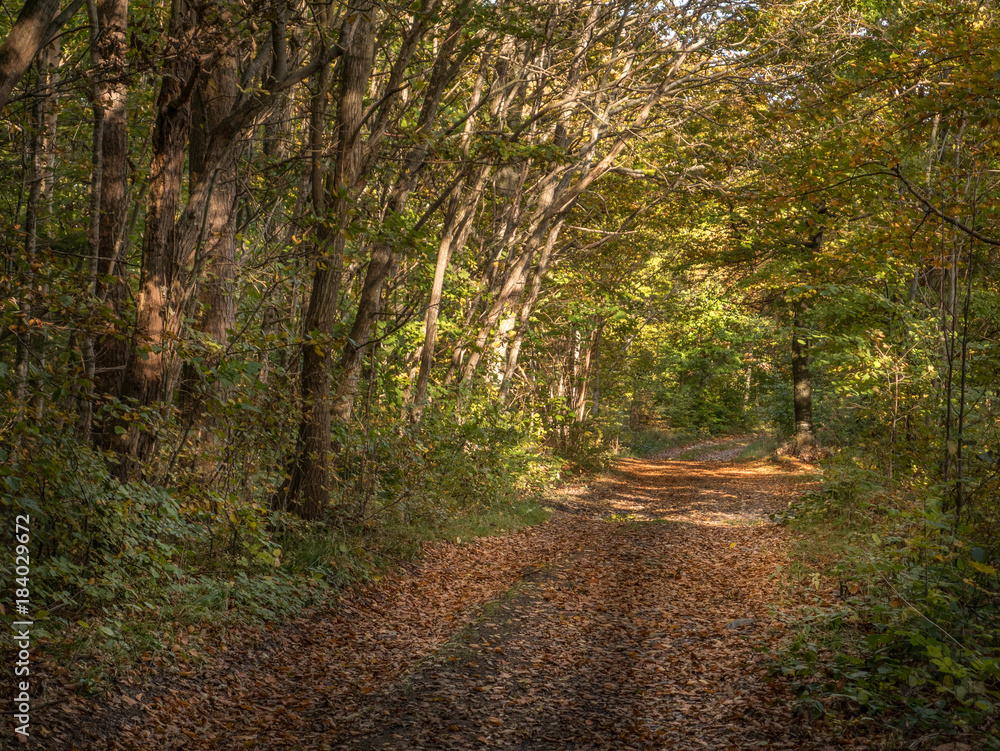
(311, 683)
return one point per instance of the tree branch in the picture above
(954, 222)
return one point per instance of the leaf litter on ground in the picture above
(609, 627)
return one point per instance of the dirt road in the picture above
(638, 618)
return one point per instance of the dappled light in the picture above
(595, 630)
(700, 492)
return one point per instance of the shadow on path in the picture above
(605, 628)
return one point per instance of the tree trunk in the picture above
(108, 223)
(330, 271)
(595, 390)
(383, 256)
(26, 339)
(802, 387)
(527, 308)
(516, 277)
(50, 59)
(86, 412)
(212, 103)
(369, 307)
(581, 396)
(307, 490)
(455, 236)
(150, 350)
(748, 383)
(30, 32)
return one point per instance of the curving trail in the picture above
(635, 619)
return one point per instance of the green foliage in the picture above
(761, 447)
(95, 541)
(692, 371)
(910, 630)
(116, 568)
(652, 441)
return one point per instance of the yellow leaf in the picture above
(983, 568)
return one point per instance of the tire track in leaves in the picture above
(287, 686)
(623, 646)
(612, 634)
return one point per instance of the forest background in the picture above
(289, 287)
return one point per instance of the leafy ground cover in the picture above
(905, 616)
(643, 614)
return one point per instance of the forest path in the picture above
(611, 626)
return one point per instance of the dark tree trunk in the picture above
(384, 256)
(327, 276)
(149, 353)
(213, 102)
(27, 36)
(27, 301)
(111, 135)
(802, 387)
(307, 490)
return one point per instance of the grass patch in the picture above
(477, 522)
(708, 449)
(644, 443)
(749, 450)
(761, 447)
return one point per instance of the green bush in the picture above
(912, 633)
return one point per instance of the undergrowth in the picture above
(652, 441)
(127, 575)
(761, 447)
(648, 442)
(906, 614)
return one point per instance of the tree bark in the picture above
(307, 490)
(802, 386)
(527, 308)
(149, 352)
(595, 407)
(455, 236)
(106, 350)
(515, 280)
(383, 256)
(30, 32)
(27, 295)
(86, 412)
(581, 395)
(369, 306)
(213, 102)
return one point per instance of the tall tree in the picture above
(36, 24)
(307, 489)
(109, 195)
(160, 277)
(383, 254)
(215, 96)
